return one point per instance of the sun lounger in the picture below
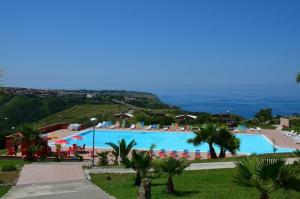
(197, 154)
(82, 149)
(162, 153)
(252, 129)
(132, 126)
(75, 148)
(182, 129)
(149, 127)
(185, 154)
(174, 154)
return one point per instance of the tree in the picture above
(17, 141)
(297, 155)
(298, 78)
(267, 174)
(171, 167)
(264, 115)
(121, 150)
(140, 162)
(33, 138)
(103, 158)
(208, 133)
(227, 142)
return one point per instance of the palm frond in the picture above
(298, 78)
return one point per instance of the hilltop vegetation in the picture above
(43, 107)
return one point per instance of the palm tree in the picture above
(140, 162)
(297, 154)
(17, 141)
(267, 174)
(227, 142)
(32, 137)
(208, 133)
(171, 167)
(121, 150)
(30, 134)
(298, 78)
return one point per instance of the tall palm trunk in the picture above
(138, 179)
(222, 152)
(170, 185)
(212, 151)
(264, 195)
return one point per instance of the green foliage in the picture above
(103, 158)
(267, 174)
(58, 158)
(213, 134)
(171, 167)
(121, 150)
(264, 115)
(140, 162)
(78, 157)
(227, 142)
(297, 155)
(298, 78)
(8, 167)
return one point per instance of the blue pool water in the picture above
(170, 141)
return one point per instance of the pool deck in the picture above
(280, 140)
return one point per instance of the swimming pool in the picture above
(250, 143)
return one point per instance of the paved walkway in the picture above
(280, 140)
(192, 167)
(50, 172)
(53, 181)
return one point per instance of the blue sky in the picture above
(150, 45)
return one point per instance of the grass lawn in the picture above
(205, 184)
(3, 190)
(9, 177)
(3, 151)
(18, 163)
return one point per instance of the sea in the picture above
(244, 102)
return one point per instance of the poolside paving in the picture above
(54, 180)
(280, 140)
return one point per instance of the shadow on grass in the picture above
(158, 184)
(183, 193)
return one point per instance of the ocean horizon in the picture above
(238, 101)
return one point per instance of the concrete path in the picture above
(192, 167)
(40, 173)
(195, 166)
(53, 181)
(77, 189)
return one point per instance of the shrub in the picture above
(8, 167)
(103, 159)
(57, 158)
(78, 157)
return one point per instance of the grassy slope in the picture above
(4, 190)
(9, 177)
(81, 113)
(206, 184)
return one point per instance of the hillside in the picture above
(43, 107)
(82, 113)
